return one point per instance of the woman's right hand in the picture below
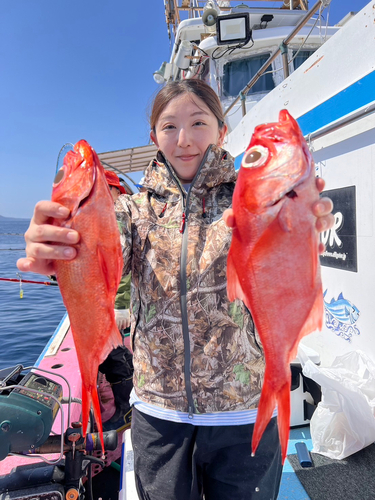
(45, 242)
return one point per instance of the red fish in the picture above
(273, 261)
(89, 283)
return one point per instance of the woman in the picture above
(198, 363)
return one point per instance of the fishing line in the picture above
(21, 291)
(65, 149)
(303, 43)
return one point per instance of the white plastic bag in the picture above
(344, 421)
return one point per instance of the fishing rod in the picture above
(20, 281)
(14, 280)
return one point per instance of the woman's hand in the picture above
(45, 242)
(322, 209)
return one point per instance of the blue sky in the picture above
(78, 69)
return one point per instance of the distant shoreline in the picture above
(13, 218)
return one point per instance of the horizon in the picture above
(18, 218)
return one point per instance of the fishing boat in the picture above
(259, 60)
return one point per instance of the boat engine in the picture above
(28, 408)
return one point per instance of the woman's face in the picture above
(183, 132)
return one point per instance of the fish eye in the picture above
(255, 157)
(59, 176)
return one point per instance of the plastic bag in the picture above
(344, 421)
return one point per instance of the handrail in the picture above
(346, 120)
(273, 56)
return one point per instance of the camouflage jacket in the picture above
(194, 351)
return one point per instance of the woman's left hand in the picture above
(322, 209)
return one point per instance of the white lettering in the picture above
(331, 237)
(335, 255)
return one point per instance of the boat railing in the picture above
(283, 50)
(346, 120)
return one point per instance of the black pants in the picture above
(175, 461)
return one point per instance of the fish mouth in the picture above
(87, 196)
(84, 200)
(289, 194)
(67, 171)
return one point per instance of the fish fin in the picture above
(340, 297)
(283, 417)
(285, 220)
(97, 413)
(315, 318)
(234, 289)
(313, 322)
(88, 396)
(86, 400)
(266, 406)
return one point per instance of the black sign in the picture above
(341, 240)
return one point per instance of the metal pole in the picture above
(273, 56)
(284, 55)
(347, 120)
(243, 104)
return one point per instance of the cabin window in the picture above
(301, 57)
(237, 75)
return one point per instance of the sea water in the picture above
(26, 324)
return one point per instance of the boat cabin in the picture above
(228, 45)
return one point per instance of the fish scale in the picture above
(273, 262)
(89, 283)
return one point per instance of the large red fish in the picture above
(89, 283)
(273, 261)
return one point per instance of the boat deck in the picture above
(291, 487)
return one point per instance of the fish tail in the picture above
(98, 417)
(266, 407)
(283, 417)
(86, 400)
(91, 396)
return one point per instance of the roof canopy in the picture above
(129, 160)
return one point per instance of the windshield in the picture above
(237, 75)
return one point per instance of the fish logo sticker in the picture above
(341, 316)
